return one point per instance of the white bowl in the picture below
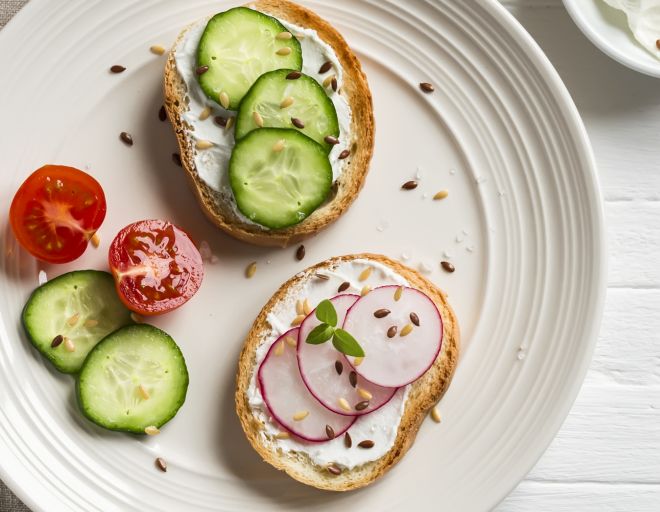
(607, 28)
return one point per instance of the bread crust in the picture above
(355, 88)
(423, 395)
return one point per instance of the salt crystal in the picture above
(425, 267)
(43, 278)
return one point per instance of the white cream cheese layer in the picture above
(212, 163)
(643, 20)
(379, 426)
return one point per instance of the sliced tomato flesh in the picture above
(56, 211)
(156, 266)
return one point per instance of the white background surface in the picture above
(607, 455)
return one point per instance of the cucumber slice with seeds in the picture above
(135, 378)
(240, 45)
(82, 306)
(279, 176)
(269, 96)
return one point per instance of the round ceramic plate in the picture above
(607, 28)
(522, 225)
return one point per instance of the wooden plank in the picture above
(611, 435)
(633, 229)
(628, 350)
(582, 497)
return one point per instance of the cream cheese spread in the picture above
(379, 426)
(212, 163)
(644, 21)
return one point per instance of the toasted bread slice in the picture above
(355, 89)
(424, 393)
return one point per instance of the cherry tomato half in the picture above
(56, 211)
(156, 266)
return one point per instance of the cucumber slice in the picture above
(279, 176)
(135, 378)
(269, 97)
(82, 306)
(238, 46)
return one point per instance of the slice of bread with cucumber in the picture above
(293, 168)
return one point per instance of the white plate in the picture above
(607, 28)
(522, 223)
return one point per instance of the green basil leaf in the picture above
(320, 334)
(347, 344)
(325, 312)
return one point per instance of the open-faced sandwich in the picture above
(340, 368)
(274, 120)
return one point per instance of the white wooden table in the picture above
(607, 455)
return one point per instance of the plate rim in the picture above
(564, 102)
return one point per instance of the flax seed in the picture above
(161, 464)
(203, 144)
(143, 392)
(69, 346)
(287, 102)
(447, 266)
(348, 442)
(224, 99)
(344, 286)
(204, 114)
(426, 87)
(364, 394)
(330, 432)
(364, 275)
(300, 415)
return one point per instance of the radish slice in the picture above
(289, 401)
(398, 358)
(327, 373)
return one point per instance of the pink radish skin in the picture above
(317, 367)
(399, 360)
(285, 395)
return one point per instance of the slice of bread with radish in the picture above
(341, 366)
